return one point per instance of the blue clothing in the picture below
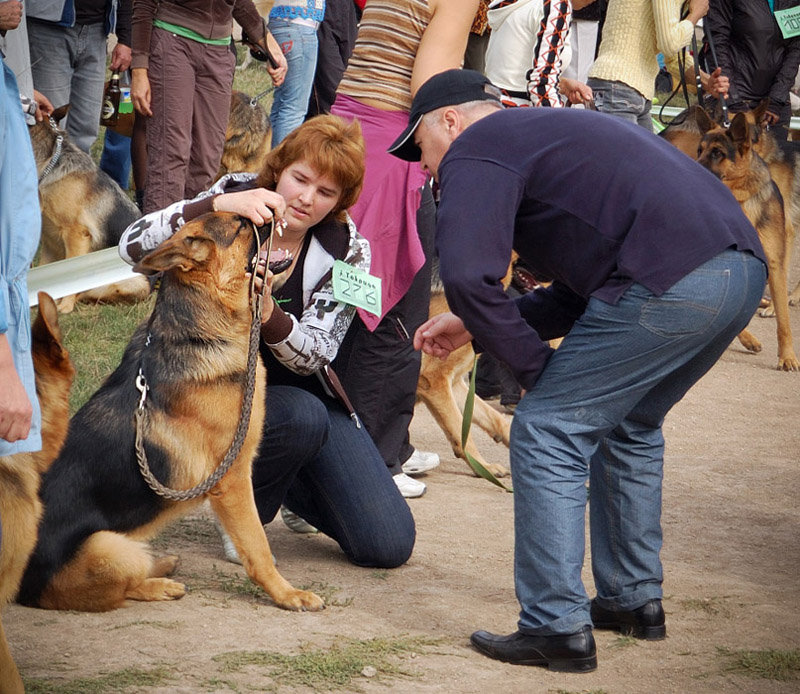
(316, 461)
(586, 199)
(290, 103)
(116, 158)
(649, 290)
(303, 9)
(20, 227)
(618, 99)
(596, 412)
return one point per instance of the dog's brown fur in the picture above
(90, 554)
(247, 138)
(443, 388)
(731, 156)
(83, 210)
(782, 160)
(20, 507)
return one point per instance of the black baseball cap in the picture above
(449, 88)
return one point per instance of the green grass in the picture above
(767, 664)
(334, 668)
(119, 681)
(711, 606)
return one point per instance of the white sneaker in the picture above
(408, 486)
(420, 461)
(228, 548)
(296, 523)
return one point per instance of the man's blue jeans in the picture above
(316, 461)
(69, 67)
(290, 104)
(618, 99)
(597, 411)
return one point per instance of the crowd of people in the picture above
(375, 106)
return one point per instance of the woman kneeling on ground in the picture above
(315, 458)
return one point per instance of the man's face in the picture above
(433, 140)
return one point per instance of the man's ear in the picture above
(183, 252)
(452, 123)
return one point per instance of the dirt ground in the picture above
(731, 557)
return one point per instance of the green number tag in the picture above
(356, 287)
(789, 21)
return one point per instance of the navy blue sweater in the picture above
(588, 199)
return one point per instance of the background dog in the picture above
(193, 352)
(247, 138)
(782, 159)
(83, 210)
(20, 508)
(730, 154)
(443, 388)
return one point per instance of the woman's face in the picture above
(309, 197)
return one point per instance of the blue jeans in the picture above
(316, 461)
(116, 158)
(597, 411)
(69, 67)
(289, 106)
(618, 99)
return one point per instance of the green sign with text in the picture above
(789, 21)
(356, 287)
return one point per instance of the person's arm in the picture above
(672, 33)
(551, 52)
(144, 12)
(307, 345)
(121, 55)
(147, 233)
(10, 15)
(444, 41)
(16, 410)
(474, 232)
(783, 81)
(255, 29)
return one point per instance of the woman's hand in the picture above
(278, 74)
(441, 335)
(258, 205)
(575, 91)
(140, 91)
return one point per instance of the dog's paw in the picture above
(788, 363)
(164, 566)
(67, 304)
(768, 311)
(156, 590)
(497, 470)
(302, 601)
(749, 342)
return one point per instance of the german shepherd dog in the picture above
(782, 159)
(20, 507)
(442, 386)
(193, 351)
(247, 138)
(730, 155)
(83, 210)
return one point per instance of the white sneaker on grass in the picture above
(408, 486)
(296, 523)
(420, 462)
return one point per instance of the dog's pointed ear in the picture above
(46, 329)
(60, 113)
(739, 132)
(185, 253)
(758, 112)
(704, 121)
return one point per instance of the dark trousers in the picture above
(316, 461)
(380, 369)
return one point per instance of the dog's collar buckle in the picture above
(142, 387)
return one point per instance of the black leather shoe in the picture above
(645, 622)
(561, 653)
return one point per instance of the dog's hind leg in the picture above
(749, 341)
(10, 681)
(77, 241)
(794, 297)
(108, 570)
(232, 500)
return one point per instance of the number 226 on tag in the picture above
(356, 287)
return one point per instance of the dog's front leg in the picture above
(232, 501)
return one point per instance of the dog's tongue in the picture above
(279, 260)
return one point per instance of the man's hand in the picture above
(441, 335)
(43, 106)
(15, 407)
(10, 15)
(715, 84)
(140, 91)
(770, 118)
(120, 58)
(697, 10)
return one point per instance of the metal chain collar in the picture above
(47, 170)
(256, 304)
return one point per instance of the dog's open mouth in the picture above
(279, 260)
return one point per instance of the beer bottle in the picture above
(110, 113)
